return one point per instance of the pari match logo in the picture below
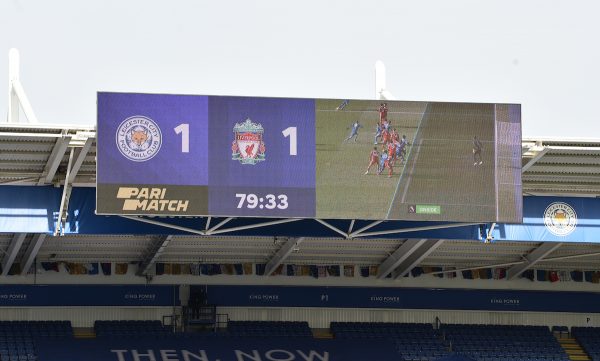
(560, 219)
(248, 146)
(138, 138)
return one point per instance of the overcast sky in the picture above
(543, 54)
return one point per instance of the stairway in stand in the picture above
(80, 332)
(322, 333)
(573, 349)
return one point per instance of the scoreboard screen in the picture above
(188, 155)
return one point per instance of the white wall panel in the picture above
(321, 317)
(83, 316)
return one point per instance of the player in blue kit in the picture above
(353, 132)
(401, 148)
(377, 133)
(343, 105)
(382, 161)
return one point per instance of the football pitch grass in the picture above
(343, 190)
(441, 170)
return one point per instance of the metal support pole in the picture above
(13, 75)
(64, 201)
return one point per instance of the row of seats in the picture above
(17, 338)
(268, 329)
(130, 328)
(504, 343)
(589, 339)
(413, 341)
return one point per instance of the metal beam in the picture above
(333, 228)
(54, 160)
(11, 253)
(31, 252)
(534, 160)
(218, 225)
(252, 226)
(166, 225)
(25, 104)
(532, 258)
(417, 257)
(400, 254)
(282, 254)
(368, 226)
(13, 75)
(350, 227)
(153, 253)
(416, 229)
(79, 159)
(64, 201)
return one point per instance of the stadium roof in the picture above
(39, 155)
(32, 155)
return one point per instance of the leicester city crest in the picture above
(138, 138)
(248, 146)
(560, 219)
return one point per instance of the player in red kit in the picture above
(391, 151)
(373, 159)
(383, 110)
(386, 136)
(395, 136)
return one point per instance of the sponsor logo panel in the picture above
(152, 199)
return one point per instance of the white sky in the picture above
(544, 54)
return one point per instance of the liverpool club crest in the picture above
(248, 146)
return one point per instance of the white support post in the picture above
(368, 226)
(218, 225)
(534, 160)
(535, 256)
(252, 226)
(400, 255)
(381, 91)
(31, 252)
(16, 93)
(490, 237)
(13, 251)
(166, 225)
(281, 255)
(350, 227)
(415, 229)
(13, 75)
(416, 257)
(64, 201)
(333, 228)
(153, 253)
(58, 152)
(79, 159)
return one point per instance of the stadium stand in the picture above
(504, 343)
(17, 338)
(414, 341)
(589, 339)
(130, 328)
(268, 329)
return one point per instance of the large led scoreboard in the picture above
(187, 155)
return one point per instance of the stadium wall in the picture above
(316, 317)
(425, 281)
(83, 316)
(321, 317)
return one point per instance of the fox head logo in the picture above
(139, 137)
